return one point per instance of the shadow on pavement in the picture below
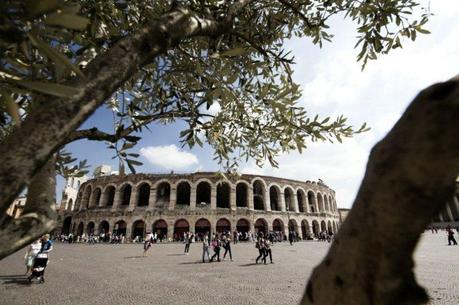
(138, 256)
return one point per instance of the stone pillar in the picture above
(133, 199)
(213, 197)
(193, 198)
(233, 205)
(282, 202)
(103, 199)
(252, 226)
(267, 200)
(295, 203)
(170, 229)
(173, 198)
(116, 200)
(250, 195)
(440, 216)
(152, 199)
(448, 211)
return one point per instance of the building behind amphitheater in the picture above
(170, 204)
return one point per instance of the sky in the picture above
(332, 84)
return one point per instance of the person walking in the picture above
(260, 245)
(187, 238)
(46, 247)
(451, 238)
(267, 245)
(216, 244)
(147, 243)
(32, 251)
(227, 247)
(205, 248)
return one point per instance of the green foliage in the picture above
(246, 70)
(65, 168)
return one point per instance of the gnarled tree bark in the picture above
(410, 175)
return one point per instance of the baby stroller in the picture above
(39, 266)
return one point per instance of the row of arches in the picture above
(201, 226)
(257, 196)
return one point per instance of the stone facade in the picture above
(449, 215)
(170, 204)
(70, 192)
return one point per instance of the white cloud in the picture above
(169, 157)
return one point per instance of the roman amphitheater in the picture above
(171, 204)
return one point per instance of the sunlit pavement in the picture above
(118, 274)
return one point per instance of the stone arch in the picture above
(223, 195)
(160, 228)
(301, 198)
(312, 202)
(90, 228)
(95, 198)
(181, 226)
(70, 205)
(138, 229)
(293, 226)
(274, 197)
(78, 200)
(86, 196)
(332, 204)
(320, 202)
(125, 194)
(183, 193)
(261, 226)
(203, 192)
(243, 225)
(315, 228)
(120, 228)
(143, 198)
(278, 225)
(104, 227)
(288, 199)
(163, 193)
(259, 200)
(242, 194)
(80, 229)
(326, 206)
(223, 225)
(109, 193)
(202, 227)
(323, 226)
(305, 229)
(66, 224)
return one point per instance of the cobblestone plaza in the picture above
(117, 274)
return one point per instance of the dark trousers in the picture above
(268, 252)
(187, 247)
(451, 239)
(228, 249)
(261, 255)
(216, 254)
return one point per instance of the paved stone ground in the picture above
(117, 274)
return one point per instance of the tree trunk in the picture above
(410, 176)
(39, 214)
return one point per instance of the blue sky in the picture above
(332, 84)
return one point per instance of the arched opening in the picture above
(138, 230)
(110, 195)
(289, 201)
(73, 228)
(163, 194)
(70, 205)
(315, 228)
(323, 226)
(293, 226)
(181, 226)
(258, 195)
(243, 225)
(202, 227)
(126, 191)
(329, 227)
(86, 197)
(144, 195)
(78, 201)
(223, 226)
(278, 226)
(274, 198)
(327, 209)
(203, 193)
(183, 193)
(96, 197)
(223, 195)
(241, 195)
(120, 228)
(80, 229)
(320, 202)
(160, 228)
(90, 228)
(104, 227)
(261, 226)
(300, 198)
(332, 204)
(66, 225)
(305, 230)
(312, 202)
